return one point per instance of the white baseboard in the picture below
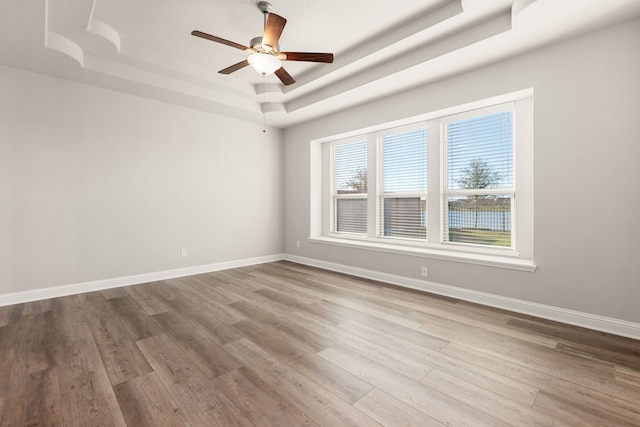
(98, 285)
(585, 320)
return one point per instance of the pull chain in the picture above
(264, 100)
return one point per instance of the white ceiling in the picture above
(144, 47)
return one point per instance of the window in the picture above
(456, 185)
(403, 199)
(350, 188)
(479, 187)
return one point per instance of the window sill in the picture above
(507, 261)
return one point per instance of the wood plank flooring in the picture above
(281, 344)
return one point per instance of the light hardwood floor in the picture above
(282, 344)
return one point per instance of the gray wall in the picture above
(96, 184)
(586, 175)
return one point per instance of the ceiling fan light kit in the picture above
(265, 55)
(264, 64)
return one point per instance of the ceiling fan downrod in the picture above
(256, 42)
(265, 7)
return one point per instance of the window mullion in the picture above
(434, 188)
(372, 187)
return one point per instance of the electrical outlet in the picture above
(424, 272)
(297, 243)
(183, 253)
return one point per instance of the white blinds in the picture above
(403, 205)
(480, 152)
(405, 162)
(351, 167)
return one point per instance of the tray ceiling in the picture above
(145, 47)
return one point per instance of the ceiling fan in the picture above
(265, 54)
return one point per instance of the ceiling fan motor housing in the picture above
(257, 45)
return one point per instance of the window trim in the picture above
(507, 261)
(509, 258)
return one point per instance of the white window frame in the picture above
(334, 186)
(446, 192)
(519, 257)
(380, 194)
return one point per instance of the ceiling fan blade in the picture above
(284, 77)
(306, 56)
(273, 29)
(220, 40)
(234, 67)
